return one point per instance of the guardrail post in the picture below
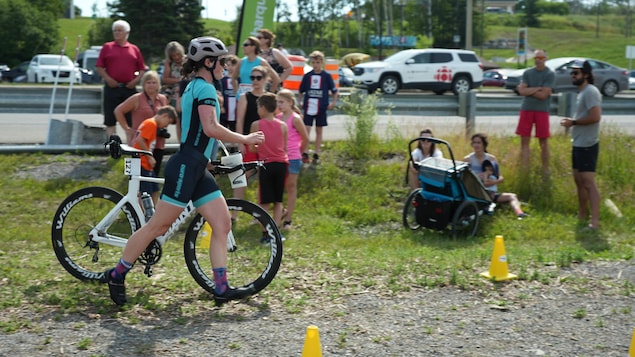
(566, 104)
(467, 109)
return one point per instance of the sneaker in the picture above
(286, 225)
(117, 288)
(316, 159)
(522, 215)
(228, 295)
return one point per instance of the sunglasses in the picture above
(260, 37)
(248, 44)
(256, 78)
(540, 58)
(222, 61)
(575, 73)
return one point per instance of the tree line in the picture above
(28, 27)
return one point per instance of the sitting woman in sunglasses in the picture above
(424, 149)
(242, 71)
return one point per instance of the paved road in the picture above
(17, 129)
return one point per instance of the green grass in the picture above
(348, 236)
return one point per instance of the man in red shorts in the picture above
(536, 86)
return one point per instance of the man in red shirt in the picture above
(145, 139)
(121, 65)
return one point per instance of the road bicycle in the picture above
(93, 224)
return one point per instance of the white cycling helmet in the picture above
(202, 47)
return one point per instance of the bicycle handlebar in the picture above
(116, 149)
(219, 169)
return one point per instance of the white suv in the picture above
(435, 69)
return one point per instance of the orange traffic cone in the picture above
(631, 351)
(498, 267)
(312, 347)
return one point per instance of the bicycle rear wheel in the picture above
(253, 259)
(410, 211)
(84, 258)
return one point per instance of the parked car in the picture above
(495, 77)
(631, 80)
(43, 69)
(609, 79)
(346, 77)
(435, 69)
(16, 74)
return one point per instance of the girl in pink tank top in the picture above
(297, 143)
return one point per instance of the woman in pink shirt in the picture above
(297, 143)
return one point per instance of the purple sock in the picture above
(121, 269)
(220, 279)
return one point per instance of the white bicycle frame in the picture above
(132, 168)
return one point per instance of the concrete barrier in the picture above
(74, 132)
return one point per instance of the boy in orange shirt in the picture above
(145, 139)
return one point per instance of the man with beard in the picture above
(585, 133)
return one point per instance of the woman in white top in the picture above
(425, 149)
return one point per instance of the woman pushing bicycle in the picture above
(186, 175)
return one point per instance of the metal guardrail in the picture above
(87, 100)
(37, 99)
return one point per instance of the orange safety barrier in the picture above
(332, 66)
(295, 78)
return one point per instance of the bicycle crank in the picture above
(150, 256)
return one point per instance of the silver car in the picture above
(609, 79)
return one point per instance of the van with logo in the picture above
(88, 59)
(435, 69)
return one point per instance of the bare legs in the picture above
(588, 195)
(525, 151)
(291, 186)
(318, 137)
(544, 154)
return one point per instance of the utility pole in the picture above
(468, 25)
(597, 20)
(381, 31)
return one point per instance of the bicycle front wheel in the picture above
(78, 214)
(254, 249)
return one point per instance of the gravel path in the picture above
(588, 312)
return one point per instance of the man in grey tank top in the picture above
(535, 87)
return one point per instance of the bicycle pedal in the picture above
(148, 271)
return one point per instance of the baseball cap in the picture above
(582, 64)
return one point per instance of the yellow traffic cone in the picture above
(631, 351)
(498, 267)
(312, 347)
(205, 234)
